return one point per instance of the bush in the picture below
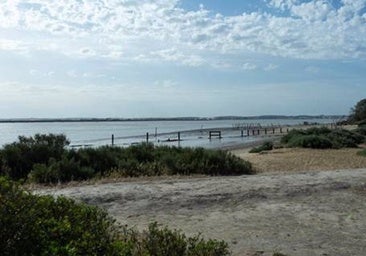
(60, 171)
(344, 138)
(19, 157)
(361, 123)
(177, 244)
(323, 138)
(361, 130)
(42, 225)
(45, 159)
(292, 134)
(311, 141)
(268, 145)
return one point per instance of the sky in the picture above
(168, 58)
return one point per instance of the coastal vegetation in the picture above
(323, 138)
(266, 146)
(43, 225)
(358, 113)
(362, 152)
(46, 159)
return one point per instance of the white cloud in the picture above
(172, 55)
(38, 73)
(153, 30)
(12, 45)
(249, 66)
(270, 67)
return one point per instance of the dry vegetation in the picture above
(300, 159)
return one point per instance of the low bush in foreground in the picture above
(42, 225)
(46, 159)
(323, 138)
(268, 145)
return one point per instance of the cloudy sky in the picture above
(140, 58)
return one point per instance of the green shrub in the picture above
(311, 141)
(43, 225)
(291, 134)
(45, 159)
(361, 130)
(268, 145)
(175, 243)
(19, 157)
(311, 131)
(323, 138)
(344, 138)
(60, 171)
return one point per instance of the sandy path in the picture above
(314, 213)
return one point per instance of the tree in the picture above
(358, 113)
(18, 158)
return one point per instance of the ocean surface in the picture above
(193, 133)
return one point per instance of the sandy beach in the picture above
(300, 202)
(309, 213)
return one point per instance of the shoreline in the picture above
(183, 118)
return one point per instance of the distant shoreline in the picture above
(74, 120)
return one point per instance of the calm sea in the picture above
(193, 133)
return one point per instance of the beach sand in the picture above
(300, 202)
(309, 213)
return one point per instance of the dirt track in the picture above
(313, 213)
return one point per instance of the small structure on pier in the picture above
(215, 133)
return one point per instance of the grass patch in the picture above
(266, 146)
(46, 159)
(362, 153)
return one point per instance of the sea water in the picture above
(193, 133)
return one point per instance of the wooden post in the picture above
(156, 132)
(265, 131)
(147, 137)
(112, 139)
(242, 133)
(178, 136)
(253, 132)
(280, 129)
(273, 130)
(248, 133)
(258, 131)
